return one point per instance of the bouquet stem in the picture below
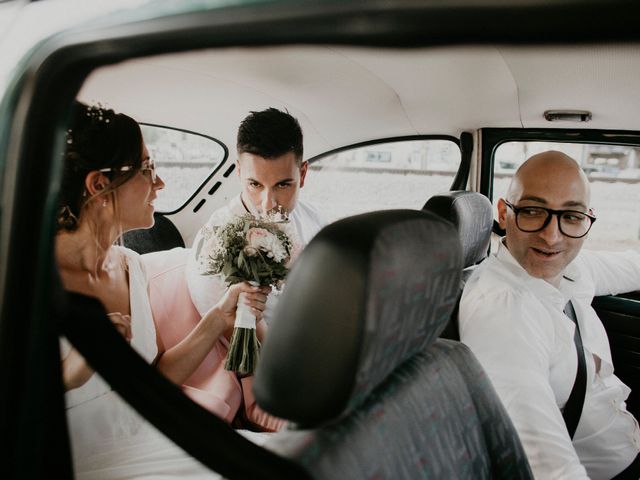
(244, 347)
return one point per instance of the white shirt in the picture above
(515, 325)
(206, 290)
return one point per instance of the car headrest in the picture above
(472, 215)
(162, 236)
(366, 294)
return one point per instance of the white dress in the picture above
(109, 439)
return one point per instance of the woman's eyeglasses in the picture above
(147, 166)
(150, 166)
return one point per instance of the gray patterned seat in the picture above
(354, 362)
(472, 215)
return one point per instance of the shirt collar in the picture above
(236, 206)
(568, 285)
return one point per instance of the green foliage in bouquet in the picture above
(248, 249)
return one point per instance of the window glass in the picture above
(401, 174)
(183, 160)
(614, 174)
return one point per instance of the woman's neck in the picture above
(82, 250)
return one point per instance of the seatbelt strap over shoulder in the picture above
(573, 409)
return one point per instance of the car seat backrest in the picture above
(162, 236)
(472, 215)
(354, 362)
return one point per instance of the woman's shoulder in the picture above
(126, 252)
(132, 260)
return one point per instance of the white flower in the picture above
(212, 244)
(262, 239)
(250, 251)
(211, 247)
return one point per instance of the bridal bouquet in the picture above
(254, 250)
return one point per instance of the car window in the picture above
(399, 174)
(183, 159)
(613, 172)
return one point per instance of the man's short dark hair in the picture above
(270, 133)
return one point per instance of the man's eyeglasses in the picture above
(572, 223)
(147, 166)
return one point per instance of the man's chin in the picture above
(548, 273)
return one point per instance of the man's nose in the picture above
(268, 200)
(551, 233)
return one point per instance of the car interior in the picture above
(373, 384)
(370, 360)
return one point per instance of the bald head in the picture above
(549, 180)
(550, 167)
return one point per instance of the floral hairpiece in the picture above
(96, 112)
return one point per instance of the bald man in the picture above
(512, 316)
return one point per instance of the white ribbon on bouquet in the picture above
(244, 317)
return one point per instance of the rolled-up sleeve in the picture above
(612, 272)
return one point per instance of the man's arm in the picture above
(514, 345)
(612, 272)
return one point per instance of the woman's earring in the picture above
(104, 202)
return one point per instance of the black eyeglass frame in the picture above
(550, 213)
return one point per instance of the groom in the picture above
(272, 172)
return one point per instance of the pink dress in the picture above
(213, 387)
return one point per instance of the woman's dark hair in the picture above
(270, 133)
(96, 138)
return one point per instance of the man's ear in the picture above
(95, 182)
(238, 167)
(303, 172)
(502, 214)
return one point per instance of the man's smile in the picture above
(546, 253)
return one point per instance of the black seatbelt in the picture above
(573, 408)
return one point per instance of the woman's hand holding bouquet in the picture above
(254, 297)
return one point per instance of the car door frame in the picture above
(33, 113)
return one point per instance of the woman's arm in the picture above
(180, 361)
(75, 371)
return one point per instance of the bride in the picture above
(109, 186)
